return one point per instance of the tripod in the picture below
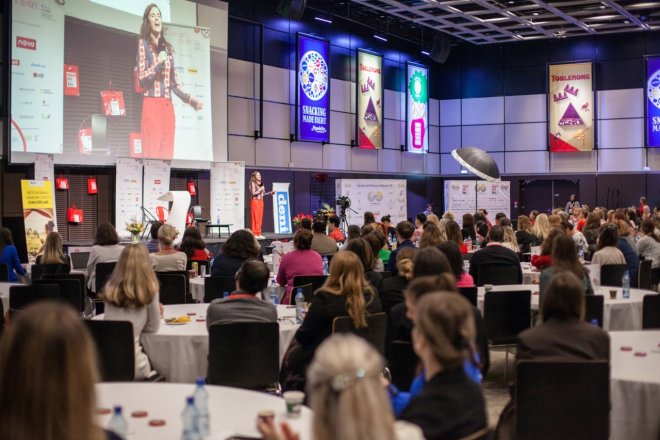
(343, 222)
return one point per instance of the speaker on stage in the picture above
(291, 9)
(441, 48)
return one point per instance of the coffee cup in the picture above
(294, 402)
(488, 287)
(266, 415)
(613, 293)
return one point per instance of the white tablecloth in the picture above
(232, 411)
(635, 386)
(618, 314)
(197, 288)
(4, 294)
(180, 352)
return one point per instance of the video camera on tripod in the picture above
(343, 202)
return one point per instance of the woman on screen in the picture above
(157, 80)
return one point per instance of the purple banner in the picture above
(313, 89)
(653, 102)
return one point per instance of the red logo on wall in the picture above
(26, 43)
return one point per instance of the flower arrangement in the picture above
(325, 212)
(134, 227)
(298, 218)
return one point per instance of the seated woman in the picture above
(606, 250)
(454, 234)
(193, 246)
(563, 335)
(649, 247)
(52, 253)
(345, 293)
(132, 295)
(9, 256)
(432, 235)
(167, 259)
(363, 250)
(47, 376)
(106, 249)
(525, 235)
(455, 258)
(152, 244)
(450, 405)
(545, 258)
(391, 289)
(241, 246)
(564, 258)
(301, 261)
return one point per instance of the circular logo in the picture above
(418, 87)
(653, 89)
(314, 77)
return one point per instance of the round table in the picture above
(180, 352)
(232, 411)
(618, 314)
(635, 385)
(197, 288)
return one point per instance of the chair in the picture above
(200, 263)
(594, 308)
(4, 273)
(103, 272)
(79, 277)
(69, 291)
(215, 287)
(21, 296)
(375, 331)
(230, 364)
(162, 213)
(198, 215)
(611, 274)
(483, 434)
(562, 400)
(115, 348)
(470, 293)
(651, 312)
(308, 292)
(172, 288)
(402, 364)
(498, 274)
(644, 274)
(315, 280)
(38, 270)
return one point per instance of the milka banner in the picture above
(281, 209)
(369, 100)
(653, 102)
(417, 108)
(467, 196)
(38, 211)
(128, 194)
(228, 194)
(380, 196)
(313, 89)
(571, 107)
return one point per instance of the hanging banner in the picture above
(128, 194)
(417, 108)
(281, 209)
(38, 212)
(313, 89)
(369, 100)
(571, 107)
(156, 183)
(379, 196)
(44, 168)
(228, 194)
(653, 102)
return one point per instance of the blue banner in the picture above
(653, 102)
(313, 89)
(281, 209)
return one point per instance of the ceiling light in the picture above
(323, 19)
(535, 13)
(379, 37)
(427, 53)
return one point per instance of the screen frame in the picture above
(357, 96)
(428, 82)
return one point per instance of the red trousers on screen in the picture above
(257, 215)
(157, 128)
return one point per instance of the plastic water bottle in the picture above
(217, 219)
(118, 423)
(201, 397)
(225, 294)
(594, 322)
(300, 305)
(272, 293)
(326, 269)
(189, 418)
(468, 243)
(581, 253)
(625, 283)
(478, 243)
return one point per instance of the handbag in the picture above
(113, 102)
(74, 215)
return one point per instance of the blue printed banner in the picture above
(281, 209)
(653, 102)
(313, 89)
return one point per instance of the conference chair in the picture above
(594, 309)
(562, 400)
(103, 272)
(315, 280)
(231, 364)
(482, 434)
(644, 274)
(611, 274)
(402, 364)
(69, 291)
(651, 312)
(162, 213)
(186, 276)
(4, 273)
(172, 288)
(39, 270)
(470, 293)
(375, 332)
(80, 278)
(21, 296)
(498, 274)
(198, 215)
(215, 287)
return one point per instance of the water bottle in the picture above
(118, 423)
(625, 283)
(225, 294)
(581, 253)
(326, 269)
(300, 305)
(478, 243)
(272, 293)
(468, 243)
(594, 322)
(201, 397)
(217, 219)
(189, 421)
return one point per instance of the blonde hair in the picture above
(346, 394)
(53, 250)
(433, 219)
(167, 234)
(404, 262)
(133, 283)
(448, 215)
(47, 375)
(510, 237)
(541, 226)
(554, 220)
(347, 279)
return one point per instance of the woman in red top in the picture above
(193, 245)
(454, 234)
(257, 193)
(545, 259)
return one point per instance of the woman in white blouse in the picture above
(167, 259)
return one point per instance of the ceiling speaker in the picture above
(441, 48)
(291, 9)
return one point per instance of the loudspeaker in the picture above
(441, 48)
(291, 9)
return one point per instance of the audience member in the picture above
(376, 246)
(306, 223)
(391, 289)
(364, 251)
(388, 229)
(301, 261)
(434, 218)
(152, 244)
(455, 259)
(606, 251)
(454, 234)
(628, 247)
(564, 259)
(578, 238)
(53, 253)
(554, 220)
(131, 294)
(468, 229)
(498, 217)
(240, 246)
(334, 231)
(545, 258)
(591, 230)
(510, 241)
(494, 254)
(192, 245)
(168, 259)
(649, 247)
(106, 249)
(532, 216)
(242, 305)
(525, 235)
(432, 236)
(321, 243)
(430, 261)
(420, 219)
(369, 218)
(582, 219)
(384, 251)
(353, 232)
(541, 227)
(404, 233)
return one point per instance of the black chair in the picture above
(103, 272)
(562, 400)
(200, 263)
(375, 332)
(470, 293)
(315, 280)
(172, 288)
(308, 292)
(644, 275)
(402, 364)
(186, 275)
(498, 275)
(21, 296)
(651, 312)
(116, 349)
(483, 434)
(230, 364)
(71, 276)
(39, 270)
(215, 287)
(594, 308)
(611, 274)
(4, 273)
(69, 291)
